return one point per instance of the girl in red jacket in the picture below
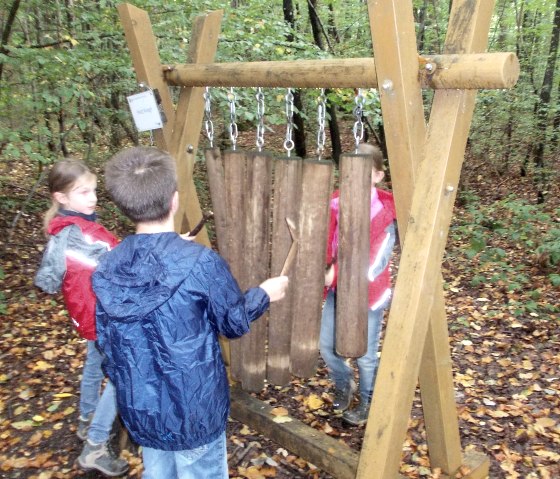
(382, 240)
(76, 242)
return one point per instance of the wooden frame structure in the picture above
(425, 160)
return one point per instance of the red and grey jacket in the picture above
(68, 262)
(382, 240)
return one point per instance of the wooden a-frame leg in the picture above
(174, 137)
(188, 123)
(147, 65)
(436, 183)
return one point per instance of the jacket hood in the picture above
(136, 277)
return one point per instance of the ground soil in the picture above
(506, 366)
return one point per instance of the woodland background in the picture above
(65, 73)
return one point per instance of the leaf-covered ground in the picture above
(506, 359)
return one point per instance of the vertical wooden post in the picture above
(310, 265)
(353, 255)
(287, 191)
(256, 262)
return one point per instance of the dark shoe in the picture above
(357, 416)
(83, 427)
(102, 459)
(343, 397)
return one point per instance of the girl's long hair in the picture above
(62, 178)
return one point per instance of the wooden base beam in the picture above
(327, 453)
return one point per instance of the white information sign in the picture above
(145, 111)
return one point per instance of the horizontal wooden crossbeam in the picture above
(466, 72)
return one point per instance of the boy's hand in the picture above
(186, 236)
(275, 287)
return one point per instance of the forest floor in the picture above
(506, 359)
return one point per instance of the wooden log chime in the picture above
(255, 198)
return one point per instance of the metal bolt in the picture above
(387, 85)
(449, 189)
(429, 67)
(190, 149)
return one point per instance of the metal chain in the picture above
(208, 125)
(321, 109)
(358, 128)
(233, 132)
(289, 142)
(260, 118)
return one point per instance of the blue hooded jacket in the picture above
(161, 304)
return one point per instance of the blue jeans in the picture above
(204, 462)
(104, 406)
(340, 372)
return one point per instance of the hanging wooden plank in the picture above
(353, 255)
(309, 273)
(216, 184)
(428, 225)
(235, 188)
(190, 110)
(146, 61)
(256, 259)
(286, 204)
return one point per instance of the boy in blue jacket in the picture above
(162, 301)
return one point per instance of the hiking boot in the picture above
(83, 427)
(343, 397)
(102, 459)
(357, 416)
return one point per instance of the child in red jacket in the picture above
(76, 242)
(382, 240)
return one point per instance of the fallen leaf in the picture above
(280, 411)
(282, 419)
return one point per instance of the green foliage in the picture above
(496, 235)
(67, 69)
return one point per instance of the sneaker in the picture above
(102, 459)
(357, 416)
(83, 427)
(343, 397)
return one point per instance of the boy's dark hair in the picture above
(141, 181)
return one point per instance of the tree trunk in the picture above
(334, 130)
(546, 89)
(299, 130)
(315, 23)
(333, 31)
(7, 31)
(317, 29)
(420, 16)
